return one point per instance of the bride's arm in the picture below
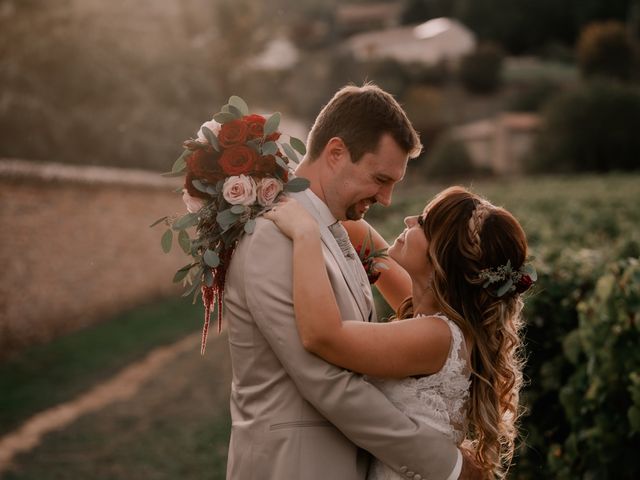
(396, 349)
(394, 283)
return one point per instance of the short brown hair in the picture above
(360, 116)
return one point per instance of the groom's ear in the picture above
(336, 152)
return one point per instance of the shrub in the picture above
(480, 71)
(605, 49)
(592, 129)
(601, 398)
(448, 159)
(533, 96)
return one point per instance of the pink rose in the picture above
(211, 125)
(268, 190)
(193, 204)
(239, 190)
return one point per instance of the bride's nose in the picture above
(409, 221)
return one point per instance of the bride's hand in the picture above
(292, 219)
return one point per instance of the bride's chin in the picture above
(392, 251)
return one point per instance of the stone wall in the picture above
(76, 247)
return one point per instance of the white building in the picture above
(429, 43)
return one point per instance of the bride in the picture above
(451, 357)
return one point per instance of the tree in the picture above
(606, 49)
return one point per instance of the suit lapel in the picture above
(355, 287)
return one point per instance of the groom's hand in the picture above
(470, 468)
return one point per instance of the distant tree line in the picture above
(522, 26)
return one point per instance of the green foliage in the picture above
(449, 159)
(480, 71)
(533, 96)
(597, 397)
(593, 128)
(605, 49)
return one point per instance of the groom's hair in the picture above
(360, 116)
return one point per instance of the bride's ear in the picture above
(336, 152)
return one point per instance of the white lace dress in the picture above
(438, 400)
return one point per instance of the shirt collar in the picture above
(325, 215)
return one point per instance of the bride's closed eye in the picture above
(421, 220)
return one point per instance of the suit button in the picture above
(409, 474)
(403, 469)
(417, 476)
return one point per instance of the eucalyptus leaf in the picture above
(212, 190)
(186, 221)
(173, 174)
(235, 111)
(180, 275)
(282, 163)
(158, 221)
(166, 241)
(528, 269)
(504, 288)
(226, 218)
(211, 138)
(211, 258)
(269, 148)
(208, 277)
(196, 283)
(272, 124)
(181, 162)
(225, 108)
(184, 241)
(290, 152)
(238, 209)
(298, 145)
(255, 144)
(200, 185)
(297, 184)
(250, 226)
(224, 117)
(239, 103)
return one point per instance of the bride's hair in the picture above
(466, 234)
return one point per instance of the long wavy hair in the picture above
(467, 234)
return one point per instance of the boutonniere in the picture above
(370, 258)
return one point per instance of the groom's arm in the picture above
(354, 406)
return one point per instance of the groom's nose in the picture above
(384, 195)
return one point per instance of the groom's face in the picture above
(356, 186)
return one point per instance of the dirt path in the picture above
(122, 386)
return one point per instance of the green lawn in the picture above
(46, 375)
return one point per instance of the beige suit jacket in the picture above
(295, 416)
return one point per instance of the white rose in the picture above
(194, 204)
(268, 190)
(211, 125)
(239, 190)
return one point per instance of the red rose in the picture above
(524, 284)
(266, 165)
(204, 164)
(233, 133)
(255, 125)
(237, 160)
(191, 190)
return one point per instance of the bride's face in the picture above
(410, 248)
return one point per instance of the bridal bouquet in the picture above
(235, 169)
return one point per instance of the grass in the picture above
(49, 374)
(175, 427)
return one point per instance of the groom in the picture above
(295, 416)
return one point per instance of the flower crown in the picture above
(235, 169)
(504, 279)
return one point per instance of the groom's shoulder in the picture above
(265, 235)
